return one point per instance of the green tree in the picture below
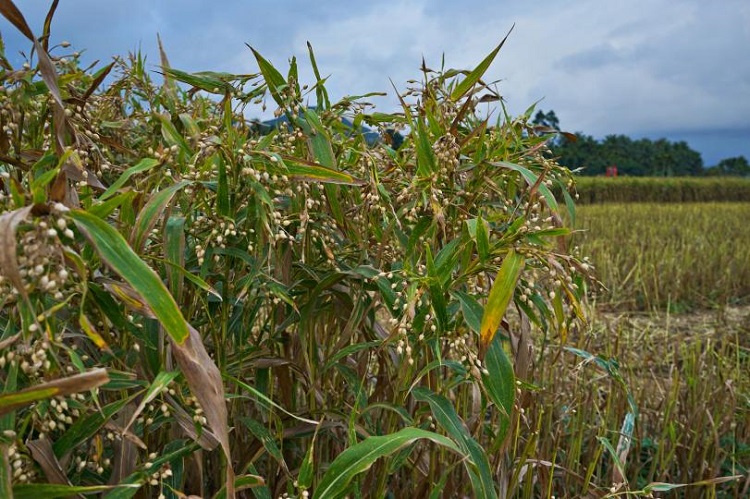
(548, 119)
(737, 165)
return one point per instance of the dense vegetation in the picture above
(632, 157)
(189, 307)
(668, 256)
(597, 190)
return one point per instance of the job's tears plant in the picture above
(189, 306)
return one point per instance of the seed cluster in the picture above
(40, 259)
(23, 468)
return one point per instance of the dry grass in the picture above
(678, 256)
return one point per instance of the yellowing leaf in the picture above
(500, 296)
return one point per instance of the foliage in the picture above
(676, 256)
(318, 295)
(291, 313)
(598, 190)
(736, 166)
(633, 157)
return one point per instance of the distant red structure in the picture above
(611, 171)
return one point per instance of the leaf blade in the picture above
(116, 252)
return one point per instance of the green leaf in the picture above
(241, 482)
(141, 166)
(532, 179)
(446, 416)
(151, 212)
(274, 80)
(265, 401)
(260, 432)
(473, 77)
(223, 206)
(39, 184)
(105, 209)
(350, 349)
(612, 452)
(171, 136)
(301, 170)
(318, 139)
(426, 162)
(174, 253)
(500, 296)
(320, 90)
(115, 252)
(6, 476)
(130, 485)
(471, 310)
(483, 239)
(446, 259)
(500, 383)
(206, 80)
(86, 426)
(360, 456)
(160, 384)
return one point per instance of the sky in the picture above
(678, 69)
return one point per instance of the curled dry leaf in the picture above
(9, 341)
(205, 382)
(205, 439)
(41, 451)
(57, 388)
(9, 10)
(125, 453)
(8, 258)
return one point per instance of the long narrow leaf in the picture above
(141, 166)
(150, 214)
(115, 252)
(446, 415)
(500, 296)
(52, 491)
(500, 383)
(59, 387)
(274, 79)
(473, 77)
(360, 456)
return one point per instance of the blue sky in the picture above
(678, 69)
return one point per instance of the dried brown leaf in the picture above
(41, 451)
(9, 341)
(125, 452)
(8, 259)
(57, 388)
(521, 346)
(48, 73)
(59, 189)
(48, 23)
(9, 10)
(206, 384)
(206, 439)
(75, 170)
(98, 81)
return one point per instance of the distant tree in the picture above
(643, 157)
(737, 165)
(548, 119)
(583, 152)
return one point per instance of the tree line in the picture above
(635, 157)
